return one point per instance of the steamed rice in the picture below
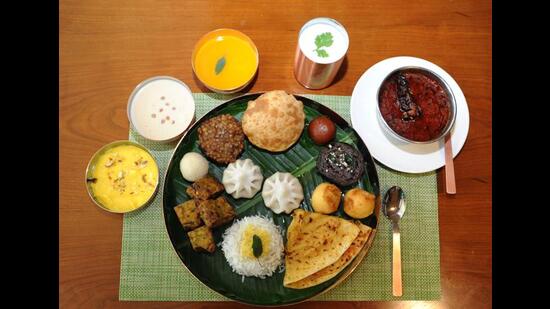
(263, 266)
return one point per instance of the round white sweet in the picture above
(282, 192)
(242, 179)
(193, 166)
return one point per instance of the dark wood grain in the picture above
(108, 46)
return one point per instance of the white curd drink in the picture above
(161, 108)
(322, 45)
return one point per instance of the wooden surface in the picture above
(107, 47)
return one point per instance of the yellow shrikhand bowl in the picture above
(122, 177)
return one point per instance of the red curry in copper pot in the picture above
(415, 105)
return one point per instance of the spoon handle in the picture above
(396, 262)
(450, 183)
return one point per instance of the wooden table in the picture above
(107, 47)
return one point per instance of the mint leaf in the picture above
(321, 53)
(220, 65)
(324, 40)
(256, 246)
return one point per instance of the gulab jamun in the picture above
(321, 130)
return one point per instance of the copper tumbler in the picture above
(322, 45)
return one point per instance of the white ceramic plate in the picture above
(400, 156)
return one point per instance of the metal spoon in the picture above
(393, 207)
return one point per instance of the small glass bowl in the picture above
(217, 33)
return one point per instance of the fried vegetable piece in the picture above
(205, 188)
(225, 210)
(216, 212)
(188, 214)
(202, 239)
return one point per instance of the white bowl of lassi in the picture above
(161, 108)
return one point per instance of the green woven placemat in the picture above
(151, 270)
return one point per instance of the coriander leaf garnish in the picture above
(323, 40)
(220, 65)
(322, 53)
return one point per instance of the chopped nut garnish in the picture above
(110, 162)
(141, 163)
